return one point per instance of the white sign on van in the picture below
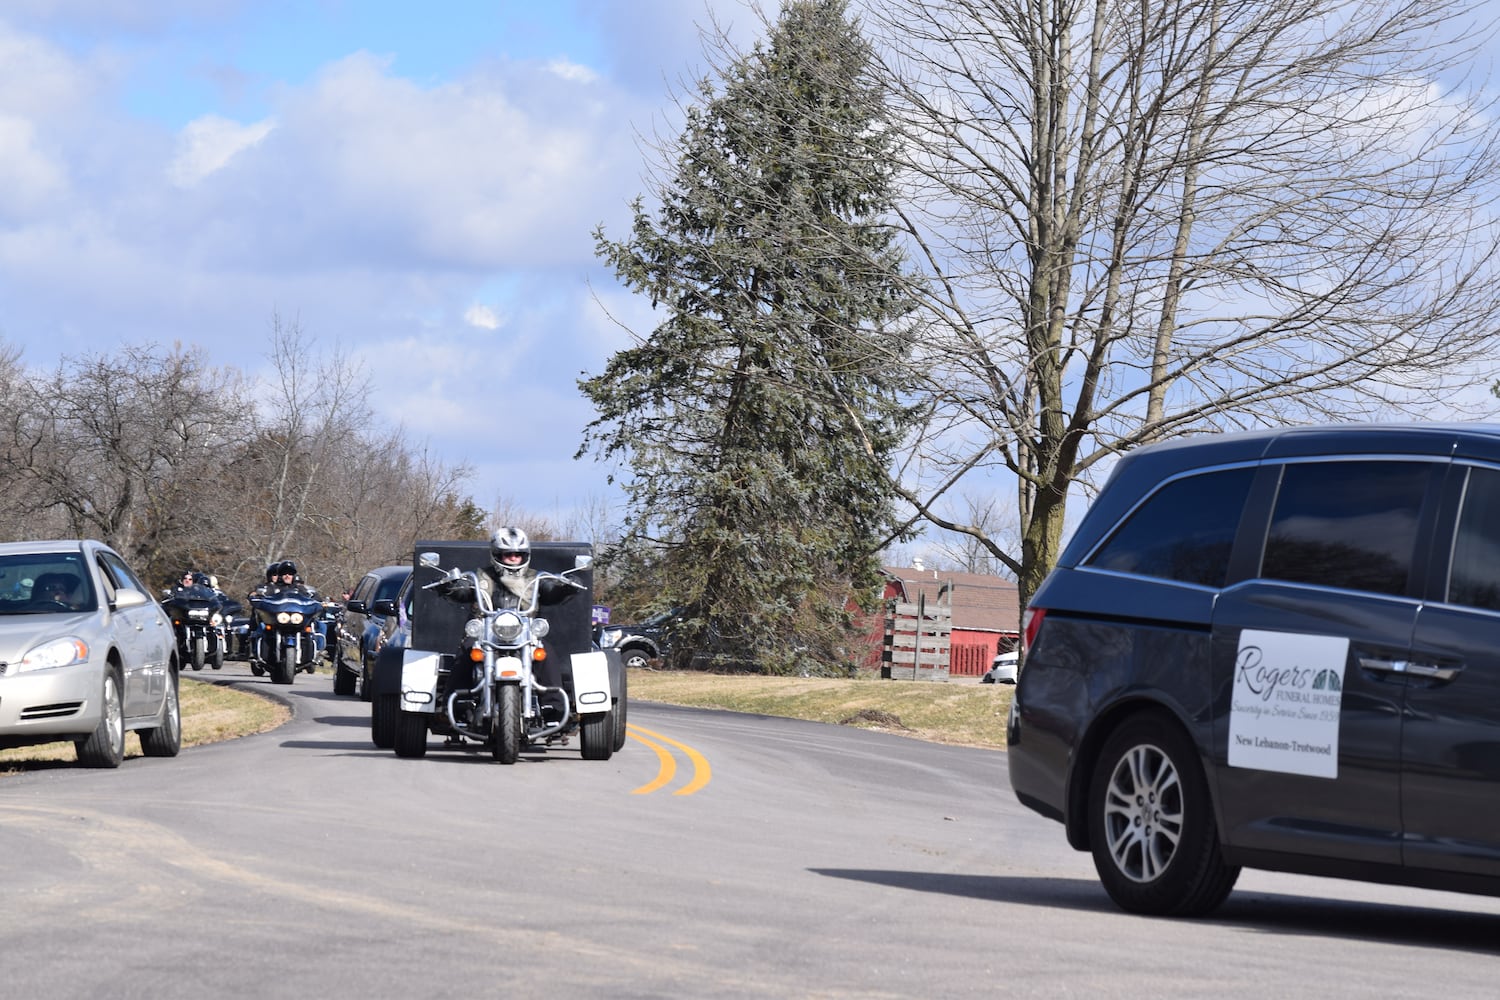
(1284, 712)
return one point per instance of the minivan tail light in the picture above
(1030, 622)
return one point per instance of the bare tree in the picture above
(127, 448)
(1147, 219)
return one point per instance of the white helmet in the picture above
(506, 542)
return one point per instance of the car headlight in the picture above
(610, 637)
(62, 652)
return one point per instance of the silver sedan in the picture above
(85, 654)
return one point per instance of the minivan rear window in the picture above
(1184, 531)
(1349, 525)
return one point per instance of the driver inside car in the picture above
(56, 588)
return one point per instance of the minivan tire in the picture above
(1152, 830)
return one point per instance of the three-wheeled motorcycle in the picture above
(474, 675)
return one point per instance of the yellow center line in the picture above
(668, 763)
(702, 773)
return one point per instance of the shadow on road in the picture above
(1260, 912)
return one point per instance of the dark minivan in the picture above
(1279, 650)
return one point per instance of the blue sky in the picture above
(414, 185)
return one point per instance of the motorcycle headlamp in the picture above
(508, 627)
(197, 612)
(540, 627)
(474, 628)
(295, 618)
(282, 617)
(216, 619)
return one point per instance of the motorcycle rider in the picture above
(509, 581)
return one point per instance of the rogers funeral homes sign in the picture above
(1284, 712)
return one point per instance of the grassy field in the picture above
(958, 712)
(210, 714)
(962, 713)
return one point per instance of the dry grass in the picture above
(957, 712)
(210, 713)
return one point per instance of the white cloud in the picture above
(482, 317)
(571, 71)
(28, 177)
(207, 144)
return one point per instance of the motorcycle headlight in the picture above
(540, 627)
(197, 612)
(474, 628)
(282, 617)
(295, 618)
(58, 653)
(216, 619)
(508, 626)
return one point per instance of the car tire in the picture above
(411, 734)
(621, 711)
(1151, 823)
(343, 680)
(364, 681)
(383, 712)
(597, 735)
(105, 746)
(166, 739)
(635, 659)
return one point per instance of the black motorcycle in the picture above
(285, 636)
(198, 622)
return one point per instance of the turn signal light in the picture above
(476, 654)
(539, 654)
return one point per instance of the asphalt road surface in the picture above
(716, 855)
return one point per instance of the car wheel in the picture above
(635, 659)
(622, 705)
(343, 680)
(987, 679)
(105, 746)
(1151, 825)
(597, 735)
(383, 713)
(166, 739)
(411, 734)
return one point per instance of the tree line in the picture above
(181, 464)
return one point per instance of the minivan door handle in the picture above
(1429, 671)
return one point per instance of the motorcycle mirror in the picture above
(582, 562)
(428, 559)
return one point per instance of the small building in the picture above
(982, 615)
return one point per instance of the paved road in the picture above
(715, 855)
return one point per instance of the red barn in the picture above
(985, 614)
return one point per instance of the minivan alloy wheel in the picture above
(1151, 825)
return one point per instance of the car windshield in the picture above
(45, 583)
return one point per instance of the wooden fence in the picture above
(916, 641)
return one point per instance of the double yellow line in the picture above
(702, 773)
